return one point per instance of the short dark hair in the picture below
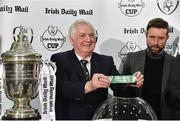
(158, 23)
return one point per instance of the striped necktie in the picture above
(85, 70)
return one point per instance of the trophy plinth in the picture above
(29, 114)
(21, 69)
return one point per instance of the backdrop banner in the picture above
(121, 26)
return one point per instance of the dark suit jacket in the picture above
(136, 61)
(173, 91)
(71, 101)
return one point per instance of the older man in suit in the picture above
(155, 64)
(81, 86)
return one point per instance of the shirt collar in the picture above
(80, 58)
(156, 56)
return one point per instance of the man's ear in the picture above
(70, 39)
(146, 33)
(96, 35)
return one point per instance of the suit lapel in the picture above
(142, 60)
(95, 64)
(141, 63)
(76, 65)
(166, 68)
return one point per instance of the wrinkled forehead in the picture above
(83, 29)
(82, 26)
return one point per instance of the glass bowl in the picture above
(120, 108)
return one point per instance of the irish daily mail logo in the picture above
(167, 6)
(52, 38)
(131, 7)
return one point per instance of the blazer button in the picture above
(77, 99)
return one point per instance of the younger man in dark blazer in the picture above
(155, 64)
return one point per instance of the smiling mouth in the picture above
(87, 45)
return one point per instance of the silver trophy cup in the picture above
(21, 69)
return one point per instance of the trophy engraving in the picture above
(21, 69)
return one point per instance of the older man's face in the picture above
(83, 40)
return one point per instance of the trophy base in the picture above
(12, 117)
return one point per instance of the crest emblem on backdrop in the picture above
(172, 48)
(128, 47)
(52, 38)
(167, 6)
(131, 8)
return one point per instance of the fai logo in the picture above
(167, 6)
(129, 47)
(131, 7)
(52, 38)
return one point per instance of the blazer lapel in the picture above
(95, 64)
(142, 61)
(76, 65)
(138, 64)
(166, 69)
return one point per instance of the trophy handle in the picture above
(51, 65)
(22, 30)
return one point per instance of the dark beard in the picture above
(160, 49)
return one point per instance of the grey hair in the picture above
(76, 23)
